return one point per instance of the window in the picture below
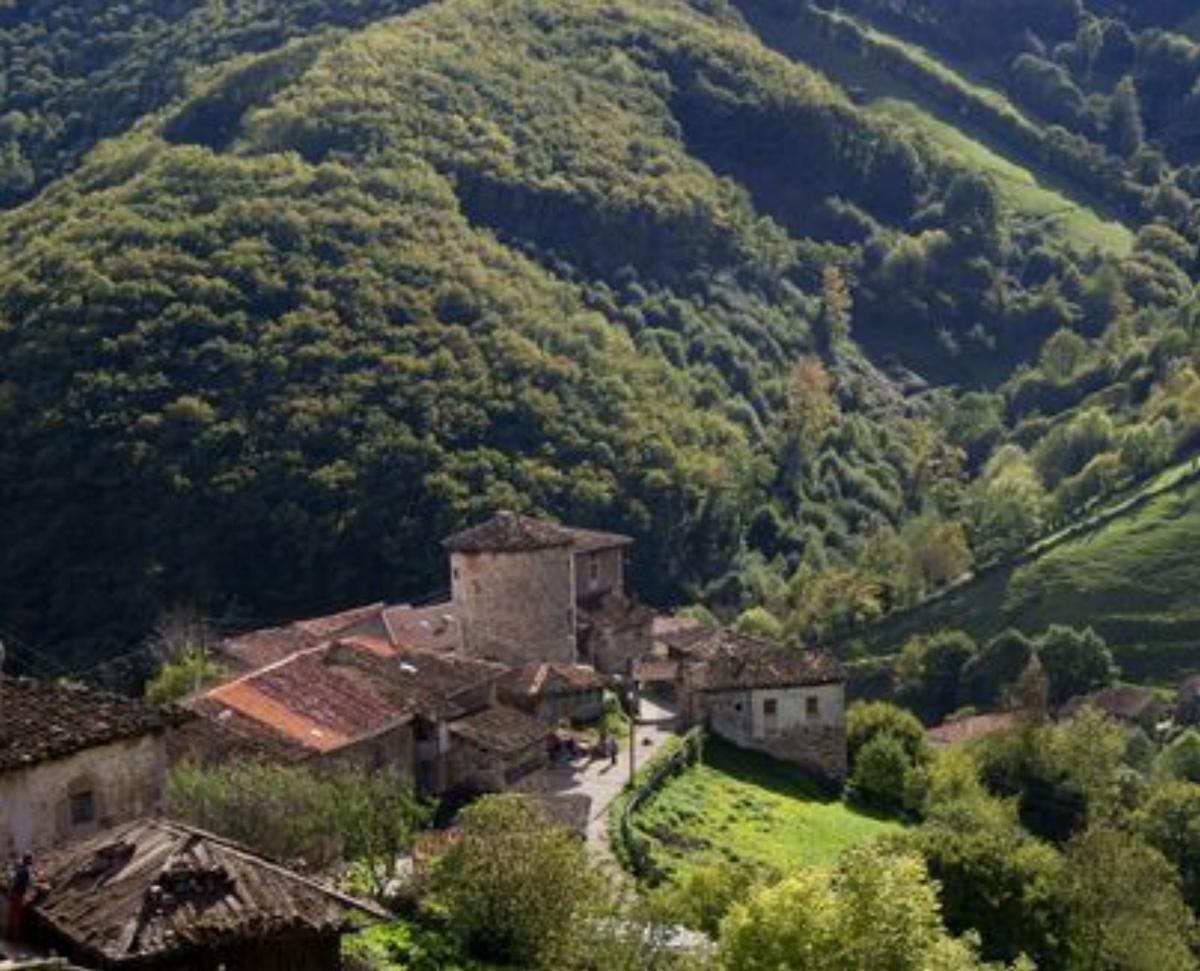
(83, 809)
(456, 575)
(770, 707)
(594, 569)
(812, 708)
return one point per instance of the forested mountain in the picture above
(344, 280)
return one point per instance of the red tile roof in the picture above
(432, 628)
(548, 679)
(256, 649)
(960, 730)
(329, 696)
(41, 720)
(507, 532)
(337, 623)
(153, 890)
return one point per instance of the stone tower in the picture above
(513, 587)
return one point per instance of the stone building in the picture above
(360, 702)
(512, 582)
(527, 591)
(790, 704)
(555, 692)
(74, 760)
(158, 896)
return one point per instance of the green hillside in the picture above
(1028, 199)
(354, 293)
(1134, 580)
(72, 74)
(354, 274)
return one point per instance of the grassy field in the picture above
(742, 807)
(1019, 189)
(1029, 192)
(1136, 580)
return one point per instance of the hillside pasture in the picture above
(1134, 580)
(747, 809)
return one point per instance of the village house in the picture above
(790, 704)
(358, 701)
(525, 591)
(538, 624)
(74, 760)
(158, 896)
(1142, 707)
(555, 692)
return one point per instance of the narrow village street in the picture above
(601, 781)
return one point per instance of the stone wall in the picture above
(583, 706)
(598, 573)
(516, 607)
(394, 749)
(470, 767)
(814, 740)
(127, 780)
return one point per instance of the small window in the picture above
(594, 569)
(455, 573)
(770, 707)
(812, 708)
(83, 809)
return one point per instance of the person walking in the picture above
(18, 889)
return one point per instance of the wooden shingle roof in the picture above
(43, 720)
(154, 888)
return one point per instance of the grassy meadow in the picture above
(1021, 191)
(1134, 580)
(741, 807)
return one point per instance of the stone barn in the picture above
(790, 704)
(555, 692)
(158, 896)
(74, 760)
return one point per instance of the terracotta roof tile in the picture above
(508, 532)
(329, 696)
(339, 622)
(256, 649)
(431, 628)
(153, 889)
(41, 720)
(537, 680)
(961, 730)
